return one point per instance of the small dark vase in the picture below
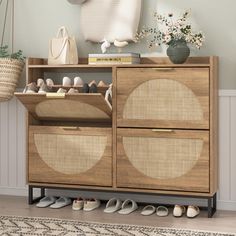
(178, 51)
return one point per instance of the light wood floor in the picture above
(223, 221)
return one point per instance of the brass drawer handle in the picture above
(163, 130)
(55, 95)
(70, 128)
(163, 69)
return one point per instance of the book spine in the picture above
(113, 55)
(114, 60)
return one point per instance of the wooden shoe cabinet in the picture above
(160, 136)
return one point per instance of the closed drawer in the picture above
(163, 97)
(163, 159)
(70, 155)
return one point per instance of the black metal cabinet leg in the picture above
(209, 207)
(214, 203)
(212, 206)
(42, 192)
(30, 195)
(31, 199)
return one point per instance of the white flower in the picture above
(167, 38)
(180, 22)
(168, 30)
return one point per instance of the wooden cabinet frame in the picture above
(207, 65)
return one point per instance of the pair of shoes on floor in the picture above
(54, 202)
(192, 211)
(86, 204)
(161, 211)
(125, 208)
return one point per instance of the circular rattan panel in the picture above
(70, 154)
(162, 99)
(162, 158)
(69, 109)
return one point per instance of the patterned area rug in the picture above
(11, 226)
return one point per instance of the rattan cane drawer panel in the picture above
(62, 155)
(176, 97)
(67, 107)
(176, 160)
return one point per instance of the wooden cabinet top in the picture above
(145, 62)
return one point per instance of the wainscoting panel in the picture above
(12, 147)
(13, 151)
(224, 150)
(233, 149)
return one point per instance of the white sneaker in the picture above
(78, 204)
(91, 204)
(66, 81)
(40, 82)
(193, 211)
(49, 82)
(179, 210)
(78, 81)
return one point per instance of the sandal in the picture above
(128, 207)
(162, 211)
(148, 210)
(46, 201)
(113, 205)
(61, 202)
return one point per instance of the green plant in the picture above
(171, 31)
(4, 53)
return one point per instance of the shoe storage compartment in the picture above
(67, 107)
(163, 159)
(70, 155)
(163, 97)
(159, 137)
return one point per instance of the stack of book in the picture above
(114, 58)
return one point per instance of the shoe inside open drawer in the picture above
(67, 107)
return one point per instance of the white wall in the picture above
(37, 21)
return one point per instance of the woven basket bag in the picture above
(10, 72)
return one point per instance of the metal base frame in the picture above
(211, 206)
(211, 201)
(31, 199)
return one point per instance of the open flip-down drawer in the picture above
(67, 107)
